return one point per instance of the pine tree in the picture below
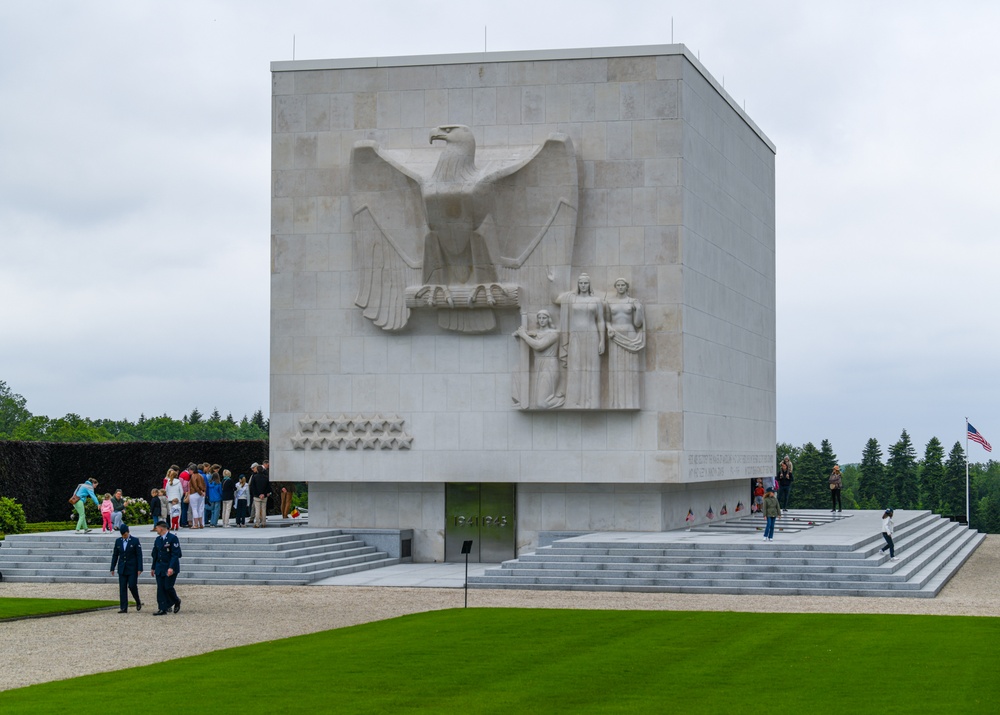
(827, 458)
(901, 473)
(810, 482)
(932, 475)
(953, 488)
(872, 490)
(215, 416)
(194, 418)
(258, 419)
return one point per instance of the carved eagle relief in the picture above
(434, 230)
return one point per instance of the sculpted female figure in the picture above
(582, 344)
(627, 333)
(545, 373)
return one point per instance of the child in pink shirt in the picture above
(107, 509)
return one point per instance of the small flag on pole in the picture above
(976, 437)
(739, 506)
(690, 516)
(710, 514)
(723, 511)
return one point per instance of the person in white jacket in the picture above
(887, 535)
(174, 489)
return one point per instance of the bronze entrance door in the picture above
(483, 513)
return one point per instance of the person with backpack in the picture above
(78, 500)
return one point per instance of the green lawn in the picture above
(547, 661)
(21, 607)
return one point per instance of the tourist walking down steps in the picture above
(772, 511)
(887, 527)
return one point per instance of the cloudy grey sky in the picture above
(134, 190)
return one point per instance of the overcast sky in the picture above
(135, 190)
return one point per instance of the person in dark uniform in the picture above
(127, 556)
(166, 566)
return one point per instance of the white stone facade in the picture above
(676, 195)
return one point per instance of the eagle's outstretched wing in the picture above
(533, 197)
(534, 214)
(389, 231)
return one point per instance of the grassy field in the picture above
(21, 607)
(546, 661)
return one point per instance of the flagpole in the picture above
(967, 522)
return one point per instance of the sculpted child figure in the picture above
(544, 341)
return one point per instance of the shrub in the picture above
(136, 511)
(12, 519)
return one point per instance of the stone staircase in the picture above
(283, 557)
(929, 550)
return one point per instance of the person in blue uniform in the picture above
(166, 566)
(127, 556)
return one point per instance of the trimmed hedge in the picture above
(42, 475)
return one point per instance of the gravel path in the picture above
(45, 649)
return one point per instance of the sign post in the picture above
(467, 549)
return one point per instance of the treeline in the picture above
(898, 479)
(18, 424)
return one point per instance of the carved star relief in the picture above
(369, 441)
(394, 423)
(342, 423)
(358, 423)
(307, 424)
(352, 442)
(334, 442)
(299, 442)
(316, 442)
(386, 442)
(403, 441)
(376, 423)
(324, 424)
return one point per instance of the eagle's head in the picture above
(458, 160)
(454, 134)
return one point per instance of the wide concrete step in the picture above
(929, 550)
(279, 557)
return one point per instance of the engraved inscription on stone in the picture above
(715, 466)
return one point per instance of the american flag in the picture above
(976, 437)
(690, 516)
(710, 514)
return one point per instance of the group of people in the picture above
(126, 559)
(194, 497)
(201, 494)
(784, 481)
(772, 506)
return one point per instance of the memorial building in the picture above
(519, 293)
